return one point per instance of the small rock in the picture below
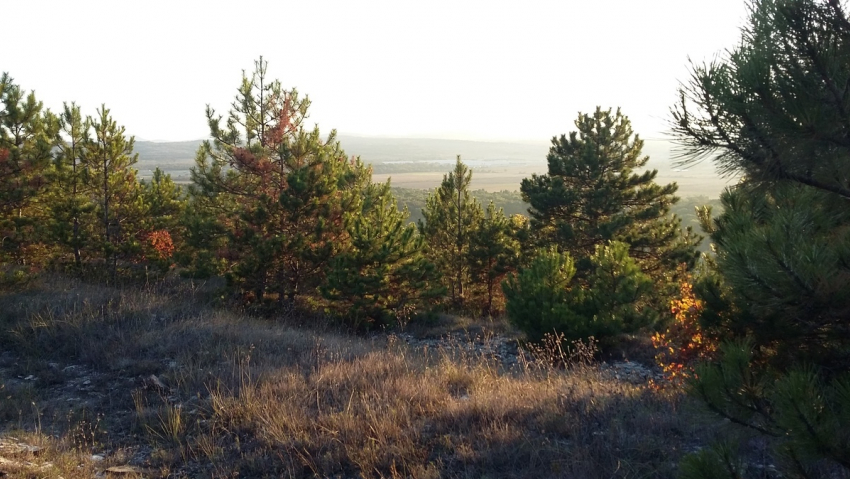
(123, 470)
(154, 382)
(97, 458)
(33, 449)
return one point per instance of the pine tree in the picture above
(593, 193)
(776, 107)
(164, 230)
(69, 202)
(775, 111)
(119, 205)
(27, 135)
(770, 113)
(451, 215)
(494, 252)
(383, 276)
(546, 297)
(278, 190)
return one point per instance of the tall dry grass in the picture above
(263, 398)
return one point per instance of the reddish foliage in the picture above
(161, 244)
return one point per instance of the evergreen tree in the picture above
(69, 202)
(769, 112)
(164, 201)
(384, 275)
(27, 135)
(494, 251)
(775, 112)
(545, 297)
(776, 107)
(451, 215)
(119, 205)
(593, 193)
(277, 189)
(165, 204)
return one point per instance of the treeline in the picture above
(511, 202)
(291, 221)
(69, 196)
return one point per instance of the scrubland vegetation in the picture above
(297, 397)
(255, 323)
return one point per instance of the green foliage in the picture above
(494, 251)
(384, 275)
(545, 297)
(805, 414)
(775, 108)
(27, 136)
(593, 193)
(165, 201)
(118, 202)
(775, 111)
(70, 206)
(539, 297)
(277, 190)
(451, 215)
(617, 291)
(784, 254)
(769, 112)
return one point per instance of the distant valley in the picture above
(420, 163)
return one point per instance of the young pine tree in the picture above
(594, 192)
(279, 191)
(383, 276)
(451, 215)
(119, 205)
(27, 135)
(494, 252)
(546, 297)
(70, 204)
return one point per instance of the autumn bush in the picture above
(684, 343)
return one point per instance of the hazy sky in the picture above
(446, 69)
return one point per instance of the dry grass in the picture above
(259, 398)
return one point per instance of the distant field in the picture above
(701, 181)
(421, 163)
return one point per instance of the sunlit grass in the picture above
(262, 398)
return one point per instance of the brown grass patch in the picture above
(259, 398)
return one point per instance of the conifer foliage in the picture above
(546, 297)
(775, 111)
(594, 193)
(114, 190)
(27, 136)
(494, 252)
(71, 208)
(451, 215)
(278, 190)
(383, 276)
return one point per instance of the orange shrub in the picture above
(684, 343)
(160, 244)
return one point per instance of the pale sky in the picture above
(484, 70)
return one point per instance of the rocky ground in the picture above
(507, 352)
